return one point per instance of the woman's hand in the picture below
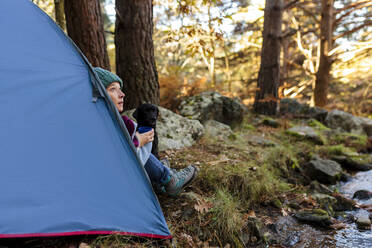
(145, 138)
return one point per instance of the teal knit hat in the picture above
(107, 77)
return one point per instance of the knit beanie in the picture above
(107, 77)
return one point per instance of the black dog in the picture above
(146, 115)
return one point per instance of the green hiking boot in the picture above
(180, 179)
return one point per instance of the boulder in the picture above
(353, 163)
(337, 119)
(323, 170)
(217, 129)
(213, 106)
(314, 216)
(367, 126)
(270, 122)
(343, 203)
(175, 131)
(362, 195)
(253, 231)
(317, 187)
(326, 202)
(257, 140)
(362, 221)
(292, 106)
(305, 132)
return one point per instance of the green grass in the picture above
(336, 150)
(227, 218)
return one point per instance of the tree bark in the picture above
(59, 11)
(135, 61)
(323, 75)
(268, 77)
(85, 27)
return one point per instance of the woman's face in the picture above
(117, 96)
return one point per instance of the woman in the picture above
(169, 181)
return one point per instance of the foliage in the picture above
(227, 218)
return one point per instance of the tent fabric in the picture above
(67, 165)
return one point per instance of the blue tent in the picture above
(67, 163)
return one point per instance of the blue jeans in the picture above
(158, 173)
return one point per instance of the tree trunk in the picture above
(135, 62)
(323, 74)
(59, 11)
(85, 27)
(268, 77)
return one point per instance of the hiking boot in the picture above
(180, 180)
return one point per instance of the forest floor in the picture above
(246, 182)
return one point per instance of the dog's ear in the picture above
(135, 114)
(157, 112)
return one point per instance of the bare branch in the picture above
(310, 13)
(350, 6)
(338, 20)
(357, 28)
(289, 32)
(290, 4)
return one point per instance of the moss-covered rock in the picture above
(270, 122)
(354, 163)
(325, 202)
(317, 125)
(343, 203)
(315, 216)
(323, 170)
(307, 133)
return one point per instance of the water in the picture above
(351, 236)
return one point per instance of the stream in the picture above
(351, 236)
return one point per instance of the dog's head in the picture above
(146, 115)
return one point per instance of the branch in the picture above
(290, 4)
(311, 14)
(357, 28)
(349, 6)
(289, 32)
(338, 20)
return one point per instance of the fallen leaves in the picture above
(202, 206)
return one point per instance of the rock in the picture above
(323, 170)
(369, 144)
(317, 113)
(253, 231)
(343, 203)
(291, 233)
(314, 216)
(326, 202)
(294, 205)
(355, 163)
(367, 126)
(317, 187)
(362, 221)
(259, 140)
(175, 131)
(217, 129)
(338, 119)
(362, 195)
(289, 106)
(213, 106)
(292, 106)
(270, 122)
(305, 132)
